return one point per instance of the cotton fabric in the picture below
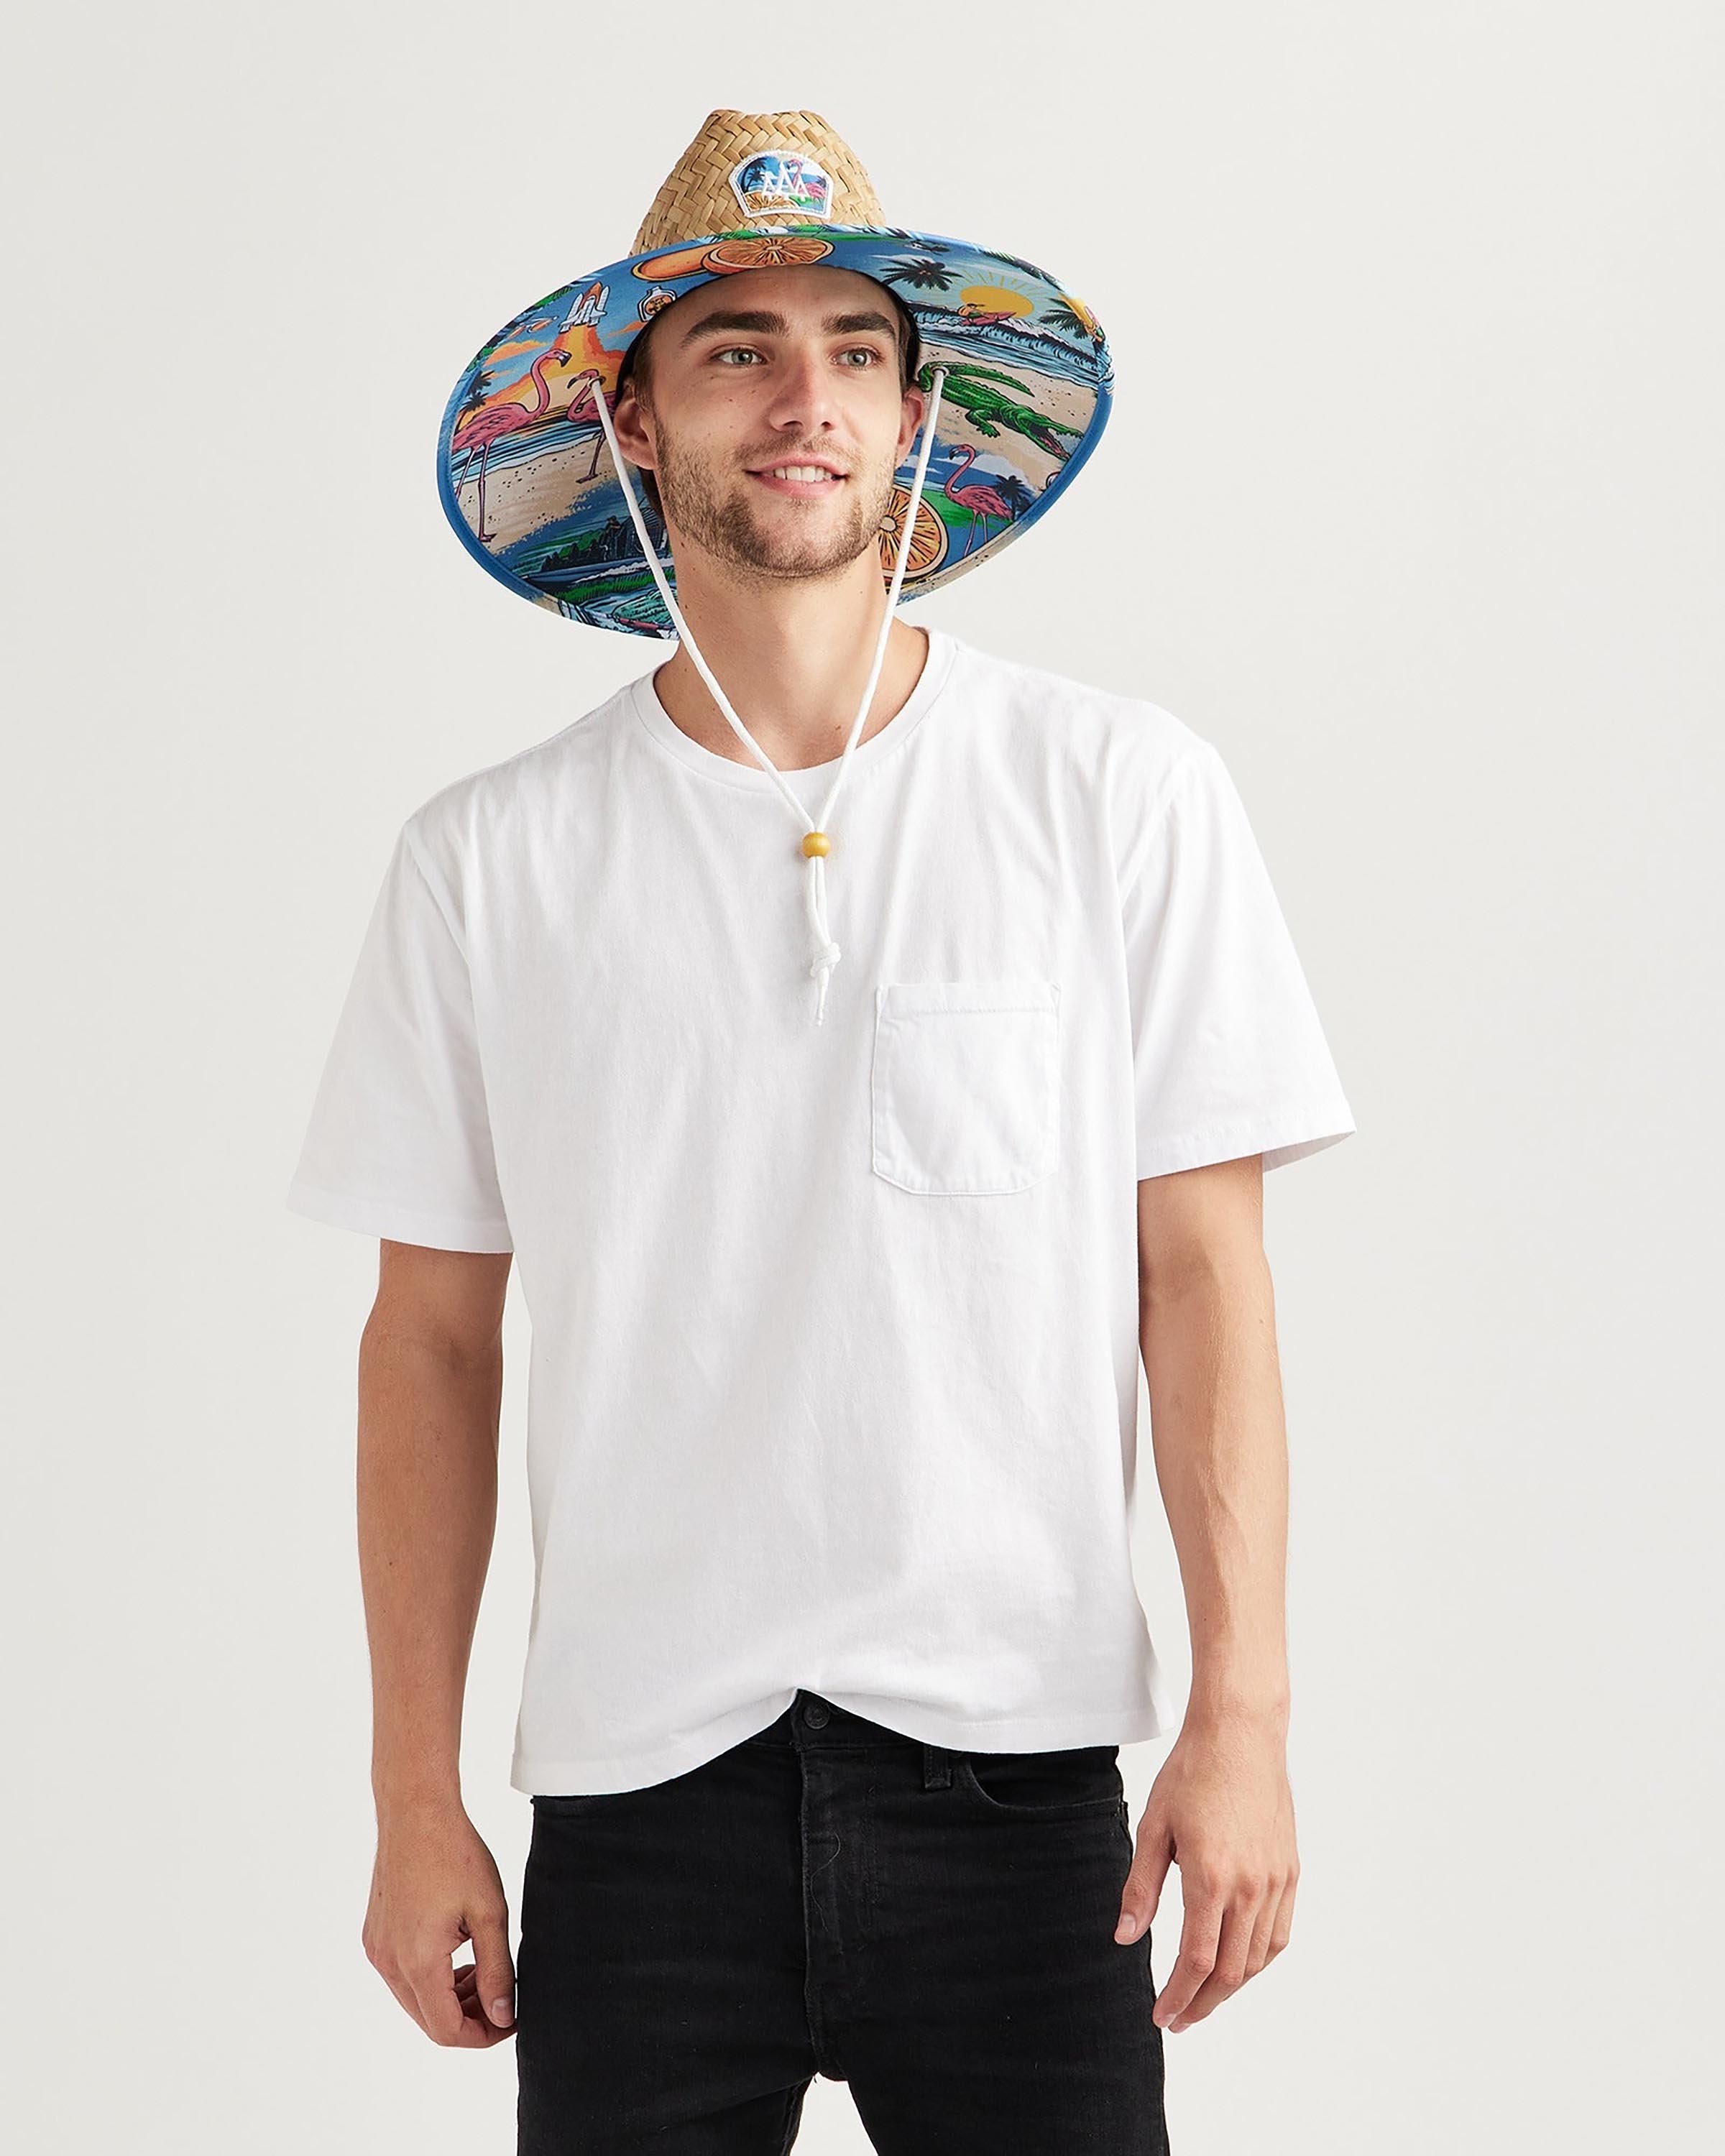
(833, 1372)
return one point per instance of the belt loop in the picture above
(937, 1767)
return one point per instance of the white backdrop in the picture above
(1410, 503)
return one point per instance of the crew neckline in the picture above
(936, 667)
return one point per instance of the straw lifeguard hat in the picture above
(525, 468)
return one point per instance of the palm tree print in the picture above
(1059, 315)
(921, 272)
(478, 388)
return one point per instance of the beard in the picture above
(718, 516)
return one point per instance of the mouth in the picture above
(800, 476)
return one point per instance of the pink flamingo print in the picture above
(981, 501)
(586, 384)
(476, 437)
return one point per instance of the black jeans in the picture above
(934, 1927)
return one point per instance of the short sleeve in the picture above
(399, 1144)
(1229, 1056)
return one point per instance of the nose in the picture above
(804, 397)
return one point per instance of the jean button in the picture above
(817, 1714)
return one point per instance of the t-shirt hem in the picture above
(1134, 1724)
(1280, 1138)
(604, 1776)
(397, 1223)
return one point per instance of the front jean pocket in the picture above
(966, 1086)
(1081, 1779)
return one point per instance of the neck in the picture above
(792, 658)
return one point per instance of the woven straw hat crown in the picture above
(697, 199)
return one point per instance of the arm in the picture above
(430, 1382)
(1221, 1807)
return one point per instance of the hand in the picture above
(433, 1885)
(1220, 1808)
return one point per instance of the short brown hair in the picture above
(636, 374)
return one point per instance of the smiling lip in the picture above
(800, 486)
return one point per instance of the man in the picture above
(849, 1169)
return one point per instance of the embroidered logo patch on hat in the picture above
(782, 180)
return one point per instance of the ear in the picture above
(630, 427)
(916, 403)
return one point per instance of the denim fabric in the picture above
(935, 1929)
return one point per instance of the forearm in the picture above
(426, 1492)
(1209, 1342)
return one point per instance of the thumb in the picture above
(494, 1972)
(1142, 1891)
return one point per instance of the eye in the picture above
(747, 352)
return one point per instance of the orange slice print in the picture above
(767, 250)
(928, 537)
(675, 262)
(771, 250)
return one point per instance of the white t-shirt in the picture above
(833, 1372)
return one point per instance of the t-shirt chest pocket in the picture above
(965, 1089)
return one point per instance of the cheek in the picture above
(702, 443)
(724, 425)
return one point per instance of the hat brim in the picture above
(1027, 391)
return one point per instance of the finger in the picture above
(1262, 1950)
(477, 2034)
(1283, 1923)
(494, 1972)
(404, 1992)
(467, 1992)
(1233, 1950)
(1199, 1935)
(1141, 1893)
(433, 1984)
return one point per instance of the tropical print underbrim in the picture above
(526, 479)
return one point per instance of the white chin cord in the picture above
(815, 841)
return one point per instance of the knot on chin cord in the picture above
(826, 951)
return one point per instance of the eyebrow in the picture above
(768, 323)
